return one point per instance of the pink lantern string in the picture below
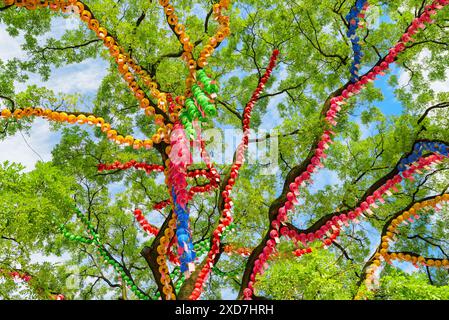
(25, 277)
(130, 164)
(226, 218)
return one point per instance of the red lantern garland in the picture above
(23, 276)
(226, 218)
(334, 225)
(131, 164)
(149, 228)
(365, 208)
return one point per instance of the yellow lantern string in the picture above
(404, 216)
(126, 64)
(164, 243)
(370, 276)
(180, 31)
(222, 33)
(389, 236)
(80, 118)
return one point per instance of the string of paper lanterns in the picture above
(226, 218)
(408, 217)
(148, 168)
(180, 157)
(222, 32)
(126, 64)
(201, 105)
(366, 207)
(162, 250)
(67, 117)
(390, 235)
(354, 19)
(188, 46)
(94, 239)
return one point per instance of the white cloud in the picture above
(40, 139)
(422, 59)
(10, 47)
(407, 267)
(81, 78)
(41, 258)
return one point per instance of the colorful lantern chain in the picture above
(226, 218)
(354, 19)
(131, 164)
(202, 105)
(94, 239)
(188, 47)
(162, 250)
(419, 148)
(407, 217)
(126, 65)
(148, 227)
(180, 157)
(222, 33)
(366, 206)
(211, 174)
(80, 118)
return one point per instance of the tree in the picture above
(390, 168)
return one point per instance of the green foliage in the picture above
(398, 285)
(314, 276)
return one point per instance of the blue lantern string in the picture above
(183, 234)
(419, 149)
(353, 18)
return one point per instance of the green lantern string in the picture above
(73, 237)
(101, 251)
(209, 85)
(203, 94)
(204, 101)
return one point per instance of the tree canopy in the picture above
(352, 205)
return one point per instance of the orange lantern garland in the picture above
(221, 34)
(124, 61)
(79, 119)
(390, 236)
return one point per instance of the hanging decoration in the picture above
(390, 233)
(94, 239)
(354, 18)
(201, 106)
(79, 118)
(226, 218)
